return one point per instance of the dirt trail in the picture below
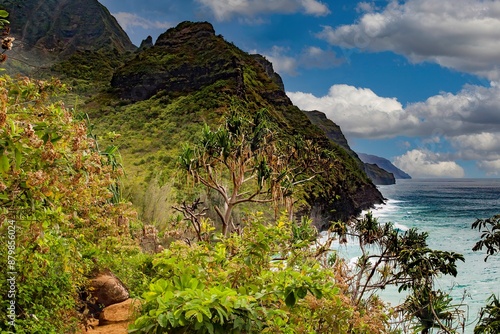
(115, 328)
(115, 319)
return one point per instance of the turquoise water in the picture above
(446, 209)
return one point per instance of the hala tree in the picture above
(245, 163)
(391, 257)
(489, 316)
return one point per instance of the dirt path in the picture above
(115, 319)
(114, 328)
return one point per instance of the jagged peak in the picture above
(184, 31)
(146, 43)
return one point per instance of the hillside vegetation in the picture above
(236, 179)
(160, 100)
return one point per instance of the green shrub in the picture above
(266, 280)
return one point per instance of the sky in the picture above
(415, 81)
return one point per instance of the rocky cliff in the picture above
(378, 175)
(385, 164)
(47, 30)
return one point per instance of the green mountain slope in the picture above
(191, 76)
(378, 175)
(159, 97)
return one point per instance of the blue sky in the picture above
(415, 81)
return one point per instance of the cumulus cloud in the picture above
(362, 113)
(468, 122)
(359, 111)
(365, 7)
(310, 57)
(472, 110)
(491, 167)
(226, 9)
(476, 145)
(458, 34)
(422, 163)
(131, 20)
(314, 57)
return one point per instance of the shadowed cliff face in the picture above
(376, 173)
(55, 28)
(182, 60)
(189, 57)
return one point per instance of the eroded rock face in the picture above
(60, 27)
(184, 59)
(184, 32)
(107, 289)
(268, 67)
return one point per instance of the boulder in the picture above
(107, 289)
(121, 312)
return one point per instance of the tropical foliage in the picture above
(489, 316)
(60, 207)
(63, 216)
(273, 278)
(393, 257)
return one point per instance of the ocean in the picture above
(446, 209)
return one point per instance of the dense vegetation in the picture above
(62, 194)
(252, 267)
(61, 211)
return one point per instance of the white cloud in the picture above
(359, 111)
(226, 9)
(457, 34)
(314, 7)
(479, 142)
(131, 20)
(362, 113)
(491, 167)
(310, 57)
(422, 163)
(469, 121)
(366, 7)
(472, 110)
(314, 57)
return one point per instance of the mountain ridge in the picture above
(50, 30)
(195, 74)
(385, 164)
(376, 173)
(159, 97)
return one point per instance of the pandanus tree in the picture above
(489, 316)
(244, 161)
(403, 259)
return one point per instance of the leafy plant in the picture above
(490, 236)
(57, 204)
(266, 280)
(389, 257)
(489, 316)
